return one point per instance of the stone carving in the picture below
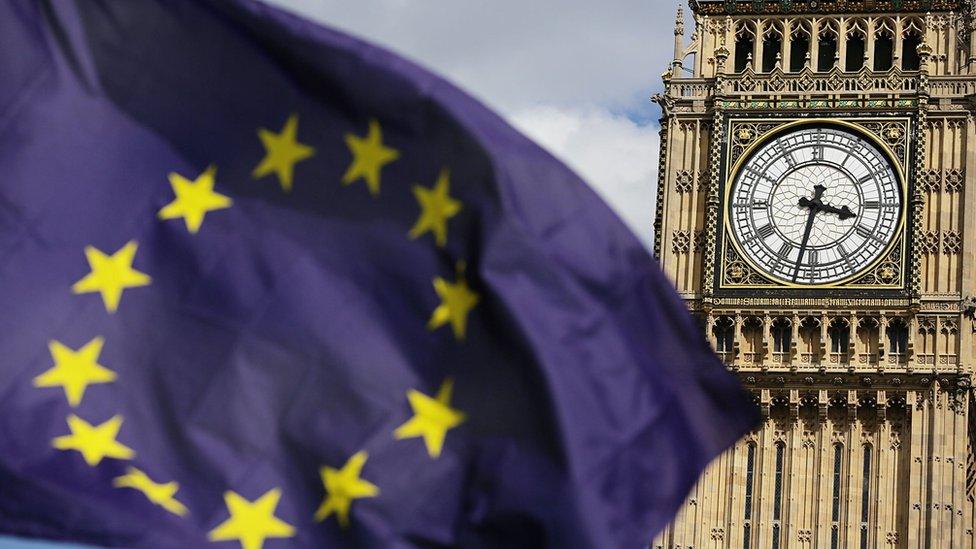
(680, 242)
(698, 242)
(951, 243)
(954, 180)
(684, 182)
(931, 181)
(930, 243)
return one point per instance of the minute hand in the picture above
(815, 205)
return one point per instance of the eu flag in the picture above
(265, 284)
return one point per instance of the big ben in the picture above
(814, 212)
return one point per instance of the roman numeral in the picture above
(765, 231)
(872, 205)
(760, 205)
(866, 178)
(867, 233)
(784, 251)
(846, 256)
(813, 258)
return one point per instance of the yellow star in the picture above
(342, 486)
(281, 152)
(159, 494)
(110, 275)
(432, 418)
(252, 522)
(436, 207)
(95, 443)
(369, 155)
(457, 300)
(194, 199)
(75, 370)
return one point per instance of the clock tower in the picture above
(814, 212)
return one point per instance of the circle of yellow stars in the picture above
(251, 523)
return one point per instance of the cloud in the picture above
(515, 54)
(612, 152)
(559, 70)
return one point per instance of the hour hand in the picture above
(816, 203)
(844, 213)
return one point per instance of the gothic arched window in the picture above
(826, 47)
(840, 335)
(724, 332)
(897, 337)
(772, 47)
(884, 47)
(799, 48)
(744, 44)
(866, 497)
(782, 330)
(778, 494)
(835, 497)
(747, 501)
(855, 47)
(910, 60)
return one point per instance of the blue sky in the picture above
(575, 75)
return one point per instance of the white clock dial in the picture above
(815, 206)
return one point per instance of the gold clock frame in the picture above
(899, 239)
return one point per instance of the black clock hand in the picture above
(843, 213)
(815, 206)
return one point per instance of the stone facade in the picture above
(864, 388)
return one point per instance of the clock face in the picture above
(815, 206)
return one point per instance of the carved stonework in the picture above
(951, 243)
(929, 244)
(888, 272)
(680, 242)
(743, 135)
(954, 180)
(894, 134)
(698, 242)
(931, 181)
(684, 182)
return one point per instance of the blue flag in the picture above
(265, 284)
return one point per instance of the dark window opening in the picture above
(826, 53)
(910, 60)
(782, 335)
(855, 53)
(724, 332)
(897, 338)
(866, 496)
(778, 494)
(883, 53)
(798, 53)
(771, 49)
(840, 337)
(743, 53)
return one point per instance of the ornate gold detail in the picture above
(745, 134)
(892, 133)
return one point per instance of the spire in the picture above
(679, 41)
